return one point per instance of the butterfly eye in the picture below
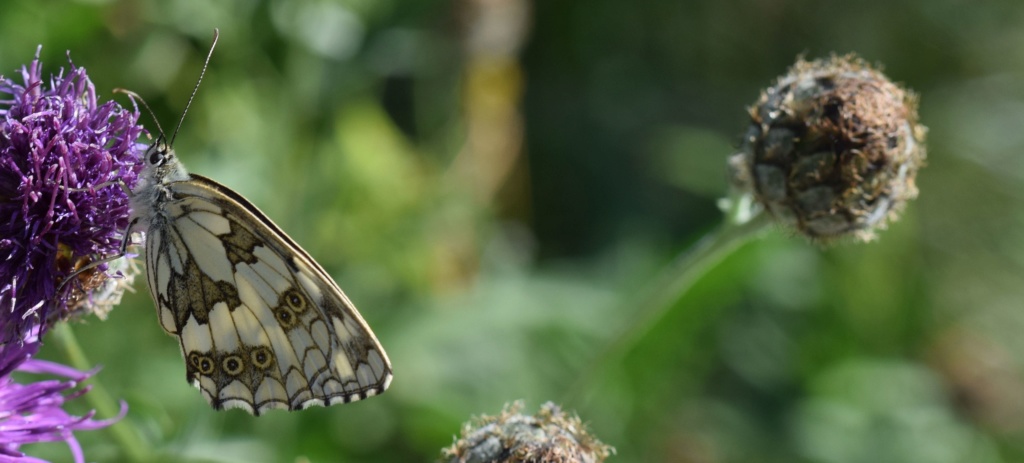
(155, 157)
(158, 154)
(233, 365)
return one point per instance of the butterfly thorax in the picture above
(151, 193)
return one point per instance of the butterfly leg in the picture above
(103, 185)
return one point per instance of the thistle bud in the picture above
(832, 149)
(550, 436)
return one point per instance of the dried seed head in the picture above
(832, 149)
(550, 436)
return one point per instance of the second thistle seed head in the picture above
(832, 149)
(550, 436)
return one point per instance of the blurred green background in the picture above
(492, 181)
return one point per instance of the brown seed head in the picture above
(832, 149)
(550, 436)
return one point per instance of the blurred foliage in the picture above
(492, 181)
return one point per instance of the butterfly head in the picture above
(159, 154)
(160, 168)
(160, 164)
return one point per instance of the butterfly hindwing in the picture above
(261, 325)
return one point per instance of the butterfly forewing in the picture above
(261, 325)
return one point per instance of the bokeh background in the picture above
(493, 181)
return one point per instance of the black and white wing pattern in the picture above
(260, 323)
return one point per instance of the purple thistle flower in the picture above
(59, 152)
(31, 413)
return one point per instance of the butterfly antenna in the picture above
(136, 97)
(216, 34)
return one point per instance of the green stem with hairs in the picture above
(127, 436)
(671, 285)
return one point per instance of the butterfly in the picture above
(260, 324)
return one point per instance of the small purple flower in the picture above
(60, 151)
(32, 412)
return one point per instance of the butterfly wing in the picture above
(260, 323)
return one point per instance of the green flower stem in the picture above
(670, 286)
(127, 436)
